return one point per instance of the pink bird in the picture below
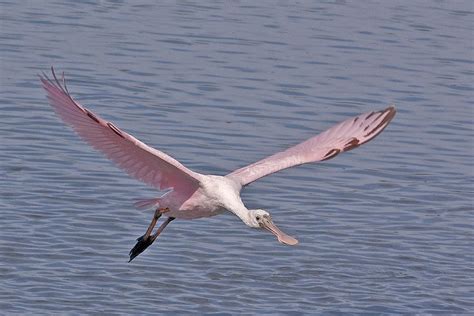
(193, 195)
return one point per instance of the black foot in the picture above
(140, 246)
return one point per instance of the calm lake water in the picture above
(386, 228)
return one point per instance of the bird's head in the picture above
(262, 219)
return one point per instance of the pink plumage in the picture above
(342, 137)
(139, 160)
(194, 195)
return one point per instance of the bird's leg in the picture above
(160, 229)
(147, 239)
(156, 216)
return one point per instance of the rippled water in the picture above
(387, 228)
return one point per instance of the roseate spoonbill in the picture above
(194, 195)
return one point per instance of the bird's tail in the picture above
(147, 203)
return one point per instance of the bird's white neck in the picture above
(242, 212)
(227, 192)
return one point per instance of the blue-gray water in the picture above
(386, 228)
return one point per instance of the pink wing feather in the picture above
(139, 160)
(342, 137)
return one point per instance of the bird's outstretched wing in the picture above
(139, 160)
(342, 137)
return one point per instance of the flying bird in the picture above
(193, 195)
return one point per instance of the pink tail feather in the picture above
(147, 203)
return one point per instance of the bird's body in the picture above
(193, 195)
(215, 195)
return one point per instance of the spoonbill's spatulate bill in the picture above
(195, 195)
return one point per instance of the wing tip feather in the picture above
(331, 154)
(389, 113)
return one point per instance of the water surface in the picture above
(387, 228)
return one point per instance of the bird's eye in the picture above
(258, 217)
